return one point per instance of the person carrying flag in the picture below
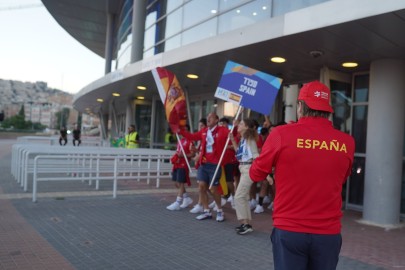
(180, 173)
(246, 151)
(213, 139)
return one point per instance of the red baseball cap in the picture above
(316, 95)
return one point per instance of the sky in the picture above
(34, 47)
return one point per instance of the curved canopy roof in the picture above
(338, 38)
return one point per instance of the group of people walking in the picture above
(242, 148)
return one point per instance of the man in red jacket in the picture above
(213, 139)
(312, 160)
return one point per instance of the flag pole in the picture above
(224, 150)
(184, 153)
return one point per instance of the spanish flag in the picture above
(173, 98)
(223, 187)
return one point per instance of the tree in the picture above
(62, 117)
(16, 122)
(22, 111)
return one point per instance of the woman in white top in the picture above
(246, 151)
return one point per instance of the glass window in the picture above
(173, 4)
(341, 101)
(199, 10)
(143, 121)
(124, 58)
(160, 124)
(360, 112)
(150, 19)
(154, 12)
(202, 31)
(208, 106)
(148, 53)
(282, 6)
(149, 38)
(360, 127)
(160, 31)
(173, 25)
(195, 110)
(356, 184)
(124, 35)
(244, 15)
(172, 43)
(228, 4)
(361, 84)
(125, 25)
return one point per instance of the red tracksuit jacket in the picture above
(312, 160)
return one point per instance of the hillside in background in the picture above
(17, 92)
(41, 105)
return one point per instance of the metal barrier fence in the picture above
(72, 161)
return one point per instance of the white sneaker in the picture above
(266, 200)
(197, 209)
(205, 215)
(174, 206)
(259, 209)
(220, 216)
(186, 202)
(270, 206)
(213, 205)
(230, 199)
(252, 204)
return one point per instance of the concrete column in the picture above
(385, 138)
(291, 95)
(103, 125)
(138, 30)
(109, 42)
(129, 120)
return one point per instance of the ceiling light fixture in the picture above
(116, 94)
(349, 64)
(277, 59)
(140, 97)
(100, 100)
(192, 76)
(140, 87)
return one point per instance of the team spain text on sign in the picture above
(248, 87)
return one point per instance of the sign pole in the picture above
(184, 153)
(223, 151)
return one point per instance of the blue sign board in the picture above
(248, 87)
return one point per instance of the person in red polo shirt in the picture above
(213, 139)
(181, 172)
(312, 160)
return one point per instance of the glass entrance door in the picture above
(143, 117)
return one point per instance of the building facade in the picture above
(314, 37)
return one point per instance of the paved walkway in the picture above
(74, 227)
